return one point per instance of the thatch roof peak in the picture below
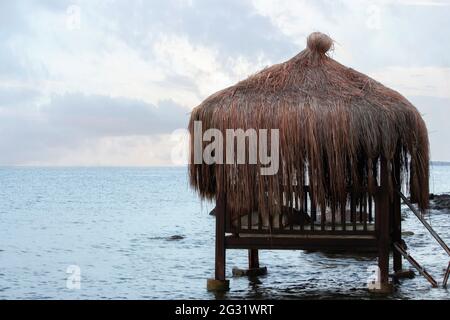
(311, 74)
(335, 124)
(319, 42)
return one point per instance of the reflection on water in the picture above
(142, 234)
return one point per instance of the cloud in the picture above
(113, 151)
(102, 115)
(435, 112)
(368, 36)
(78, 123)
(146, 50)
(16, 96)
(233, 28)
(130, 72)
(201, 65)
(420, 3)
(416, 81)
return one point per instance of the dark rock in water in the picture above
(249, 272)
(440, 201)
(404, 274)
(175, 237)
(212, 212)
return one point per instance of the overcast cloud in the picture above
(107, 82)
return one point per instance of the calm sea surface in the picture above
(116, 224)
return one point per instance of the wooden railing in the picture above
(358, 217)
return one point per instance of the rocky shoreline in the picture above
(440, 201)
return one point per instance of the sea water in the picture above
(142, 233)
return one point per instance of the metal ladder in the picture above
(441, 242)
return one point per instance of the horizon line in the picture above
(433, 162)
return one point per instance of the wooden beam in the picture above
(416, 265)
(447, 273)
(307, 232)
(306, 243)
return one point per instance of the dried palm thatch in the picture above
(335, 125)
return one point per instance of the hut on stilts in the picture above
(346, 144)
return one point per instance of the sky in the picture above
(112, 83)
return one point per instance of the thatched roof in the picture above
(335, 124)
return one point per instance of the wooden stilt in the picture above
(253, 259)
(220, 238)
(383, 230)
(396, 214)
(254, 269)
(219, 283)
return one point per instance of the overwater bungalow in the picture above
(347, 147)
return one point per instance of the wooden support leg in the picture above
(397, 238)
(383, 264)
(254, 269)
(396, 216)
(253, 259)
(396, 219)
(383, 232)
(219, 283)
(220, 239)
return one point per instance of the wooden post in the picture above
(219, 283)
(253, 259)
(383, 230)
(254, 269)
(396, 214)
(220, 237)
